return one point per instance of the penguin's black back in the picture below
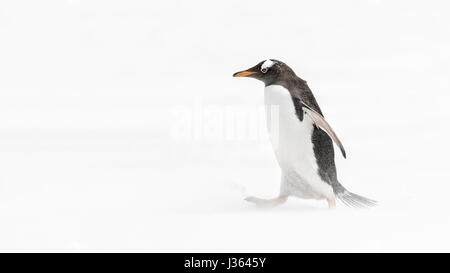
(322, 143)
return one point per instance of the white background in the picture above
(94, 96)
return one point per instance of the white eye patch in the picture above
(267, 64)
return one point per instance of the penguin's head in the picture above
(269, 71)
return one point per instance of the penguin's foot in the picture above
(331, 203)
(267, 202)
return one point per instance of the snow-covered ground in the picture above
(121, 128)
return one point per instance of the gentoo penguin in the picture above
(303, 142)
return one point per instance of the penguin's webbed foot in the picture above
(267, 202)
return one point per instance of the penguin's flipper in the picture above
(319, 120)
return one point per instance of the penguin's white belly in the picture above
(293, 147)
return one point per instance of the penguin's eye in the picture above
(263, 70)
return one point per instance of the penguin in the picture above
(302, 140)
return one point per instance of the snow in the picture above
(122, 128)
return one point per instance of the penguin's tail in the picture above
(355, 200)
(352, 199)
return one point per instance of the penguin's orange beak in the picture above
(243, 74)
